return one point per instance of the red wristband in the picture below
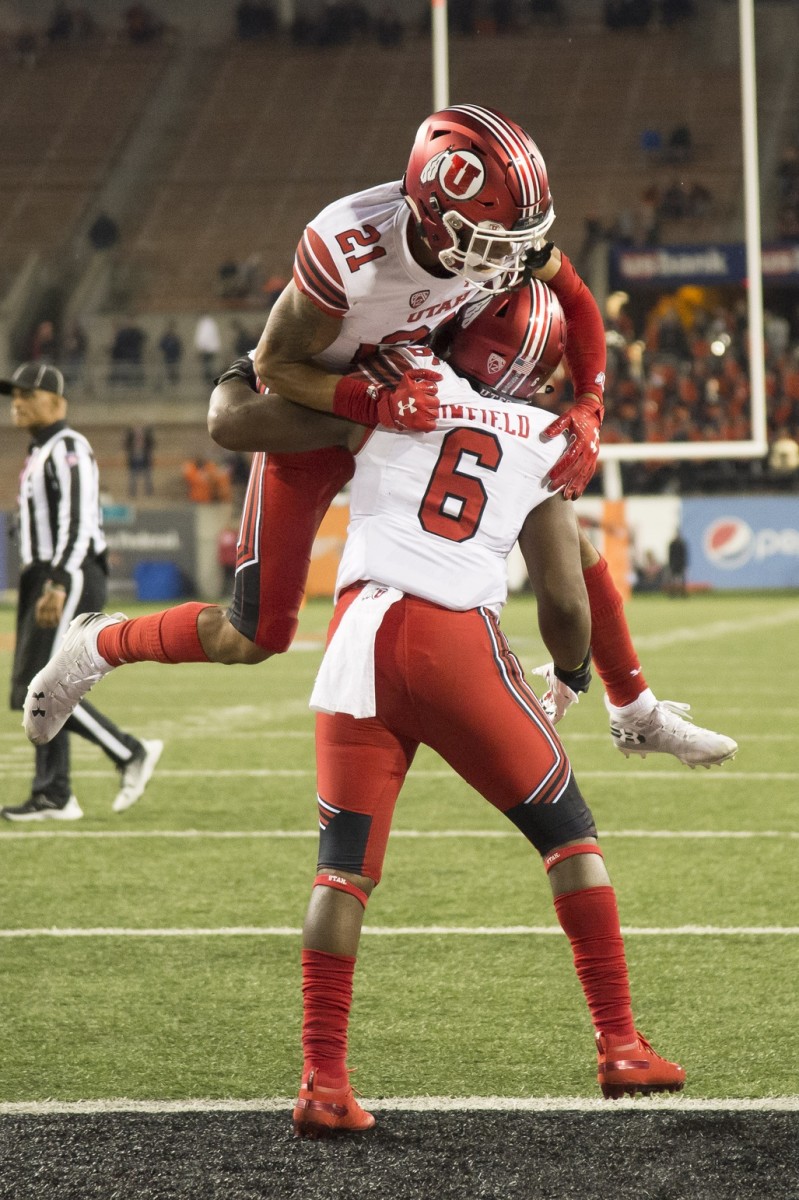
(356, 400)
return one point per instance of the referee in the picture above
(63, 559)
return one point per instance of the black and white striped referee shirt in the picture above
(60, 521)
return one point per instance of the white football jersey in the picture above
(354, 262)
(437, 514)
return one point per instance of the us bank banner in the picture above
(671, 266)
(743, 543)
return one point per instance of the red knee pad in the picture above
(342, 885)
(560, 854)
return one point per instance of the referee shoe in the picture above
(56, 691)
(39, 807)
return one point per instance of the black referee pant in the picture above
(34, 647)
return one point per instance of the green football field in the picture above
(155, 954)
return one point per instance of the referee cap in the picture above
(33, 375)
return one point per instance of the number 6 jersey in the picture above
(437, 514)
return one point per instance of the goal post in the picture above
(756, 446)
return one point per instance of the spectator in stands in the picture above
(679, 146)
(628, 14)
(208, 344)
(44, 346)
(673, 11)
(127, 355)
(139, 449)
(238, 470)
(783, 459)
(254, 20)
(389, 29)
(61, 24)
(342, 22)
(463, 17)
(171, 346)
(206, 481)
(272, 288)
(74, 345)
(649, 574)
(547, 10)
(648, 217)
(141, 24)
(242, 339)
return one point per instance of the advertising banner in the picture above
(672, 266)
(743, 543)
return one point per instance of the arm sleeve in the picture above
(586, 355)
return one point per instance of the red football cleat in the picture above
(321, 1112)
(635, 1067)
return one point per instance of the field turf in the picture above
(151, 958)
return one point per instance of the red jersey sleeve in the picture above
(586, 354)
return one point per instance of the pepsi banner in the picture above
(742, 543)
(671, 266)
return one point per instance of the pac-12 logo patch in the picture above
(419, 298)
(495, 363)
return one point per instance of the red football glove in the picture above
(411, 405)
(575, 467)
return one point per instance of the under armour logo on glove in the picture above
(412, 404)
(37, 711)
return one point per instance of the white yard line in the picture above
(422, 834)
(406, 931)
(537, 1104)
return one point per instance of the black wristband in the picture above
(534, 260)
(242, 368)
(580, 678)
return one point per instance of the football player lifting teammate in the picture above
(389, 266)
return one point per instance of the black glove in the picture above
(242, 368)
(534, 260)
(580, 678)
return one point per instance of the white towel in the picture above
(346, 679)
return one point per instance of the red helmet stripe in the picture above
(515, 147)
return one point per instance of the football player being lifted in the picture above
(389, 266)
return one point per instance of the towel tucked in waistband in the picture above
(346, 679)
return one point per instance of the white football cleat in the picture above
(667, 729)
(55, 692)
(136, 774)
(558, 697)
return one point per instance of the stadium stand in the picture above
(62, 125)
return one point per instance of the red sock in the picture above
(590, 920)
(326, 1001)
(612, 649)
(167, 637)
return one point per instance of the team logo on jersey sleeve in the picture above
(419, 298)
